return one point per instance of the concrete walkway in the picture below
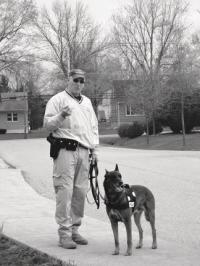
(29, 218)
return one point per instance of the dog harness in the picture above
(131, 197)
(125, 200)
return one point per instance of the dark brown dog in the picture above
(121, 202)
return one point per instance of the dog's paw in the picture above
(116, 252)
(128, 253)
(139, 246)
(154, 246)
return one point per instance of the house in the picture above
(104, 110)
(123, 110)
(14, 112)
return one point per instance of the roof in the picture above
(6, 95)
(13, 101)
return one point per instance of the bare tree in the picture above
(15, 16)
(182, 83)
(69, 35)
(27, 77)
(99, 80)
(144, 34)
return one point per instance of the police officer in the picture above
(69, 116)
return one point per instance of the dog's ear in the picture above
(116, 168)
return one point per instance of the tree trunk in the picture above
(147, 127)
(153, 124)
(182, 117)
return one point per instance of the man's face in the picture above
(76, 85)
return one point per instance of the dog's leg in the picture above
(137, 216)
(128, 226)
(152, 222)
(114, 225)
(150, 216)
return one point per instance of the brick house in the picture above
(14, 112)
(122, 110)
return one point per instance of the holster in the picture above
(60, 143)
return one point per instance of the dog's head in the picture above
(113, 180)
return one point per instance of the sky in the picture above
(102, 10)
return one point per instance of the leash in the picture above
(94, 185)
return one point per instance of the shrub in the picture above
(37, 106)
(175, 123)
(3, 131)
(170, 111)
(135, 130)
(131, 131)
(158, 127)
(122, 130)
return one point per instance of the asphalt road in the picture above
(173, 177)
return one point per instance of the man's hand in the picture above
(66, 111)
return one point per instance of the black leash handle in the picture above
(93, 173)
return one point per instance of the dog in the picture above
(122, 201)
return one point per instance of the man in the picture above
(70, 117)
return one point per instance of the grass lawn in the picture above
(167, 141)
(13, 253)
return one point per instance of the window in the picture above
(12, 117)
(15, 118)
(9, 116)
(129, 110)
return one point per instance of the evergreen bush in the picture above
(158, 127)
(122, 130)
(2, 131)
(131, 131)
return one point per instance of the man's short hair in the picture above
(77, 73)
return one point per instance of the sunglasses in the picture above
(80, 80)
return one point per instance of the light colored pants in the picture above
(70, 179)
